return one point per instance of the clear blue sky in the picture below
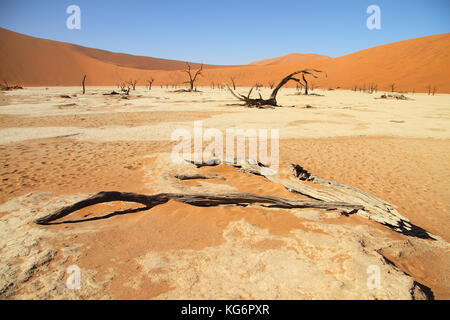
(227, 31)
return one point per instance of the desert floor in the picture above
(55, 150)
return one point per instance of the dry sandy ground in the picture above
(57, 150)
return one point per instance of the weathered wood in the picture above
(197, 176)
(371, 207)
(272, 101)
(83, 84)
(204, 200)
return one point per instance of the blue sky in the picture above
(227, 31)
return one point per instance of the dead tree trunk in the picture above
(84, 89)
(192, 78)
(374, 208)
(203, 200)
(330, 195)
(306, 84)
(150, 82)
(272, 101)
(132, 83)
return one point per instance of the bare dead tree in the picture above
(132, 83)
(373, 88)
(271, 85)
(192, 78)
(83, 82)
(150, 82)
(393, 87)
(125, 87)
(429, 89)
(272, 101)
(434, 90)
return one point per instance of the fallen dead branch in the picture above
(198, 176)
(330, 196)
(203, 200)
(372, 208)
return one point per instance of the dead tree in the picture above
(328, 195)
(132, 83)
(150, 82)
(125, 87)
(434, 90)
(271, 84)
(196, 200)
(84, 80)
(392, 87)
(192, 78)
(272, 101)
(429, 89)
(373, 88)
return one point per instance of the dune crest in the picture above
(31, 61)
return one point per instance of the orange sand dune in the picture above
(290, 58)
(410, 65)
(37, 62)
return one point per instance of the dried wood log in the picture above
(372, 208)
(198, 176)
(203, 200)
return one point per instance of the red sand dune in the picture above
(410, 65)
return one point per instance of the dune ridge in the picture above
(290, 58)
(411, 65)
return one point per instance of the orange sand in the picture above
(410, 65)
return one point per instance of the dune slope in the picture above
(411, 65)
